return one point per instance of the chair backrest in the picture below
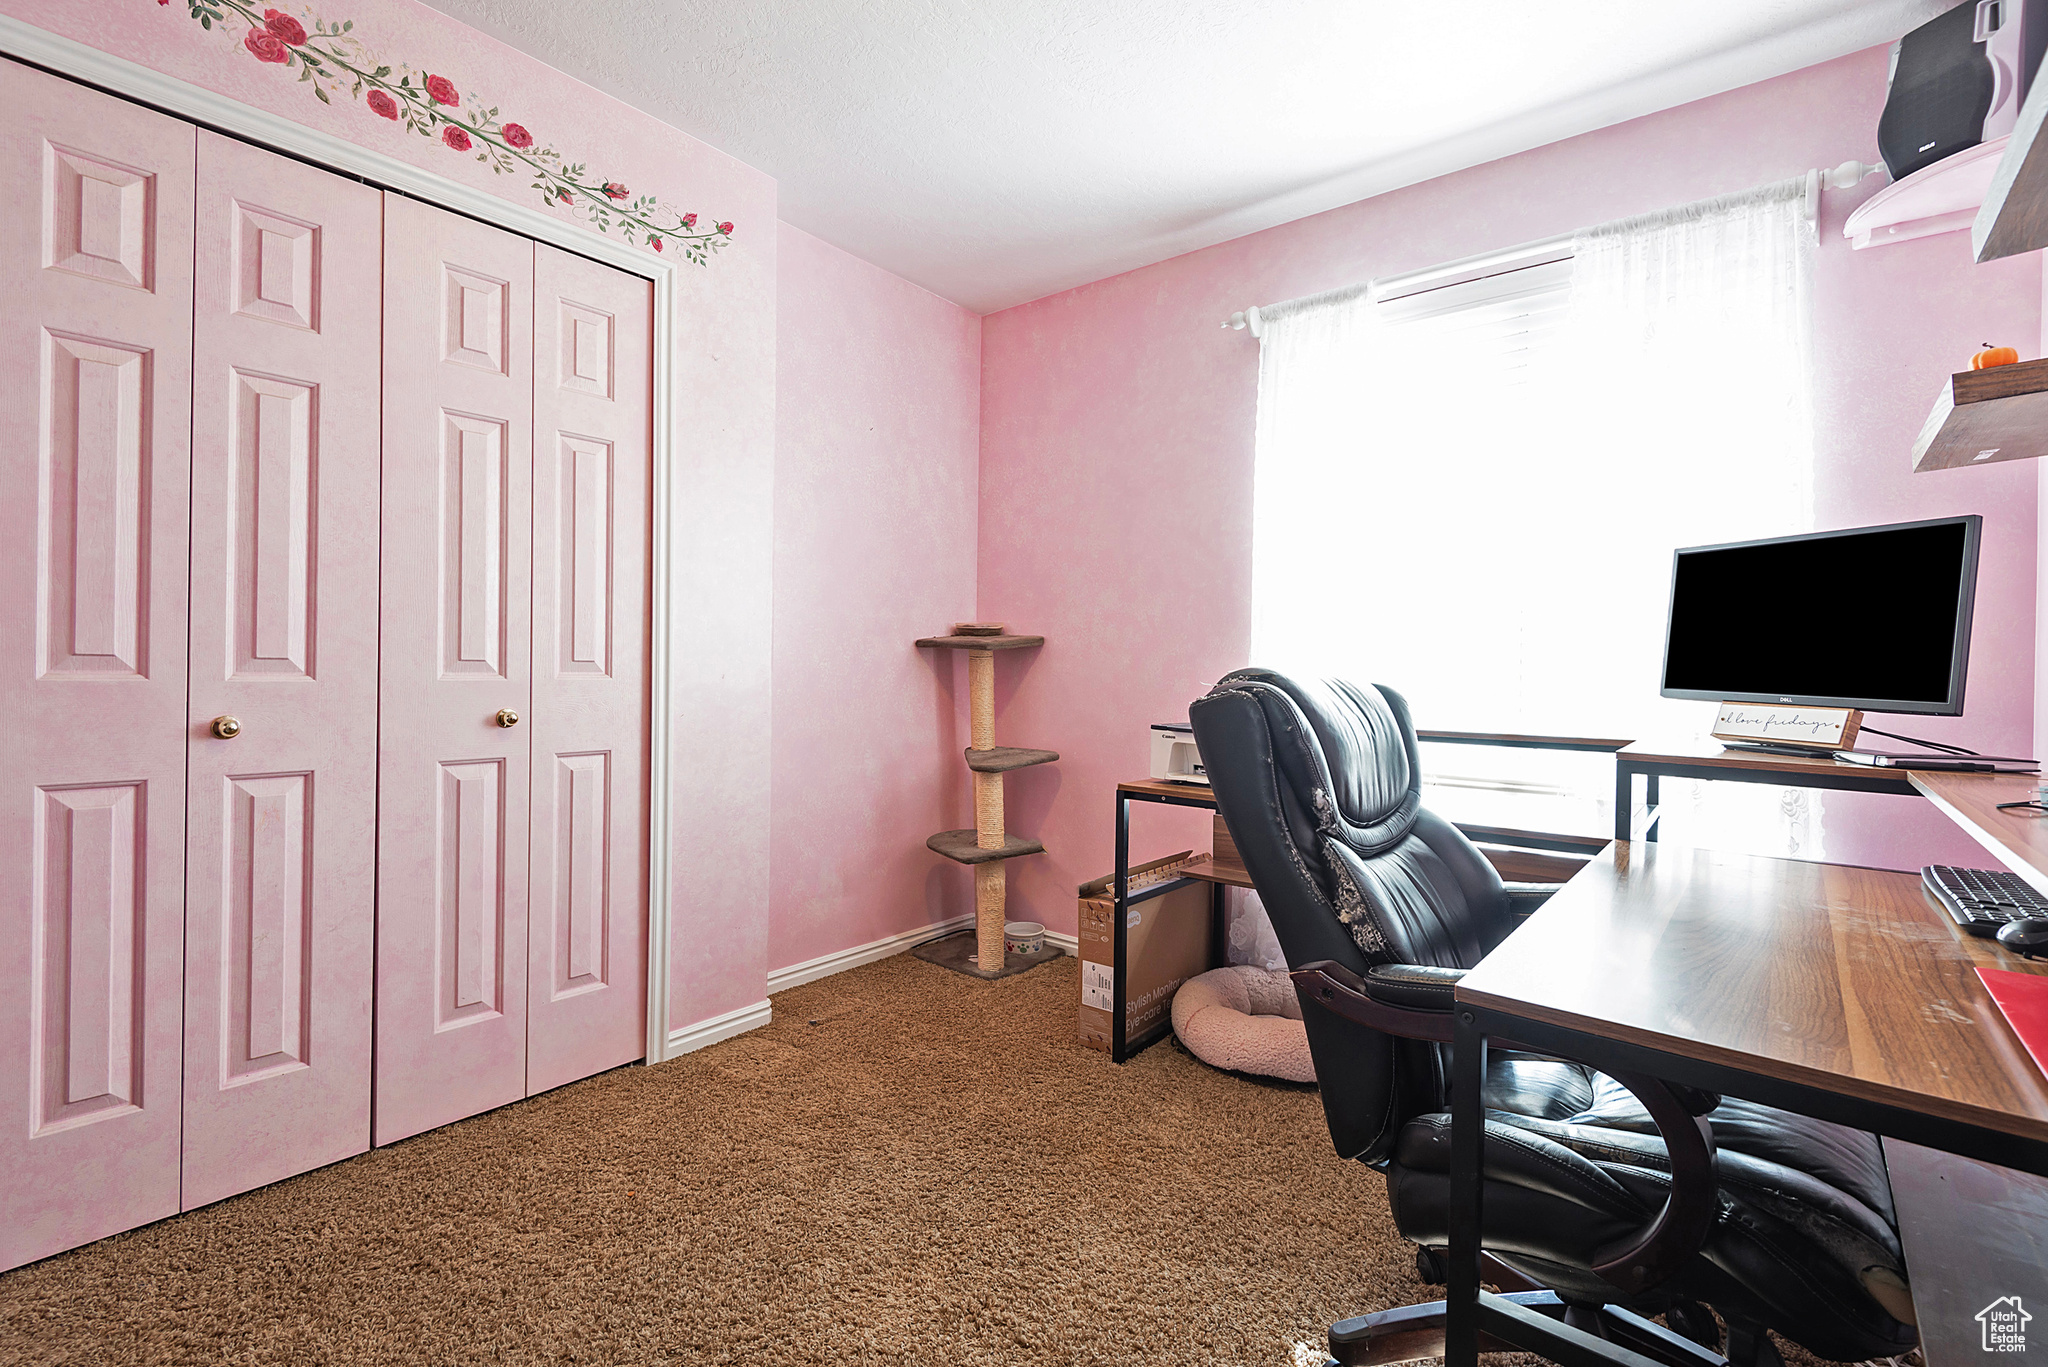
(1321, 787)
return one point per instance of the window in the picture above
(1471, 491)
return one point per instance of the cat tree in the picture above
(987, 845)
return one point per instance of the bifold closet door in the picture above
(95, 348)
(456, 677)
(281, 829)
(587, 942)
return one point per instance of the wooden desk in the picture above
(1807, 976)
(1709, 759)
(2019, 839)
(1832, 991)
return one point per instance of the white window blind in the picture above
(1472, 493)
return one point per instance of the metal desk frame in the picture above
(1121, 1048)
(1627, 767)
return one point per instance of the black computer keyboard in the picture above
(1982, 900)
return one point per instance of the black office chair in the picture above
(1775, 1220)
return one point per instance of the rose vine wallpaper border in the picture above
(331, 59)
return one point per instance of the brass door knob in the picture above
(507, 717)
(227, 728)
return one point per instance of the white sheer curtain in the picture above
(1472, 494)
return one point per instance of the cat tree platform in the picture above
(992, 641)
(960, 953)
(962, 847)
(1004, 758)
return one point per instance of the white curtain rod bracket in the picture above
(1248, 319)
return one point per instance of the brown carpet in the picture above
(907, 1166)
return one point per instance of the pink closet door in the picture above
(95, 350)
(586, 989)
(456, 651)
(281, 827)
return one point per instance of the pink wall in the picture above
(1116, 471)
(723, 474)
(878, 414)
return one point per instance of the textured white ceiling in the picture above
(997, 150)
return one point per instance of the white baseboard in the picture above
(825, 965)
(707, 1032)
(742, 1019)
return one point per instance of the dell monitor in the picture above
(1875, 618)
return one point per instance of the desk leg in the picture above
(1121, 890)
(1219, 932)
(1624, 799)
(1468, 1138)
(1650, 800)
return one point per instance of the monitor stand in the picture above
(1771, 748)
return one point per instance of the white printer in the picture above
(1174, 756)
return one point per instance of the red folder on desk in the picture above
(2023, 997)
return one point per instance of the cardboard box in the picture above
(1169, 937)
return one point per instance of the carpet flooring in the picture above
(908, 1165)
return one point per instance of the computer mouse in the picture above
(2027, 937)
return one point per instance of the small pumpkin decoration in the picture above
(1994, 355)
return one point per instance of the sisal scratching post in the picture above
(988, 813)
(981, 697)
(988, 917)
(988, 844)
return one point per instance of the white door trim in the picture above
(132, 81)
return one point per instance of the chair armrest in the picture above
(1415, 986)
(1386, 999)
(1524, 898)
(1655, 1253)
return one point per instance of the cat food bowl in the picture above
(1023, 937)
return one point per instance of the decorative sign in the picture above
(1822, 728)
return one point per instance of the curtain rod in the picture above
(1536, 253)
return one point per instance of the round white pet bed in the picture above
(1245, 1019)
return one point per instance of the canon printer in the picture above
(1175, 758)
(1959, 80)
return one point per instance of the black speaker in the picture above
(1958, 80)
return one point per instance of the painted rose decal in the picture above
(284, 28)
(331, 59)
(266, 46)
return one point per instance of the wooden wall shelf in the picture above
(1983, 417)
(2014, 216)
